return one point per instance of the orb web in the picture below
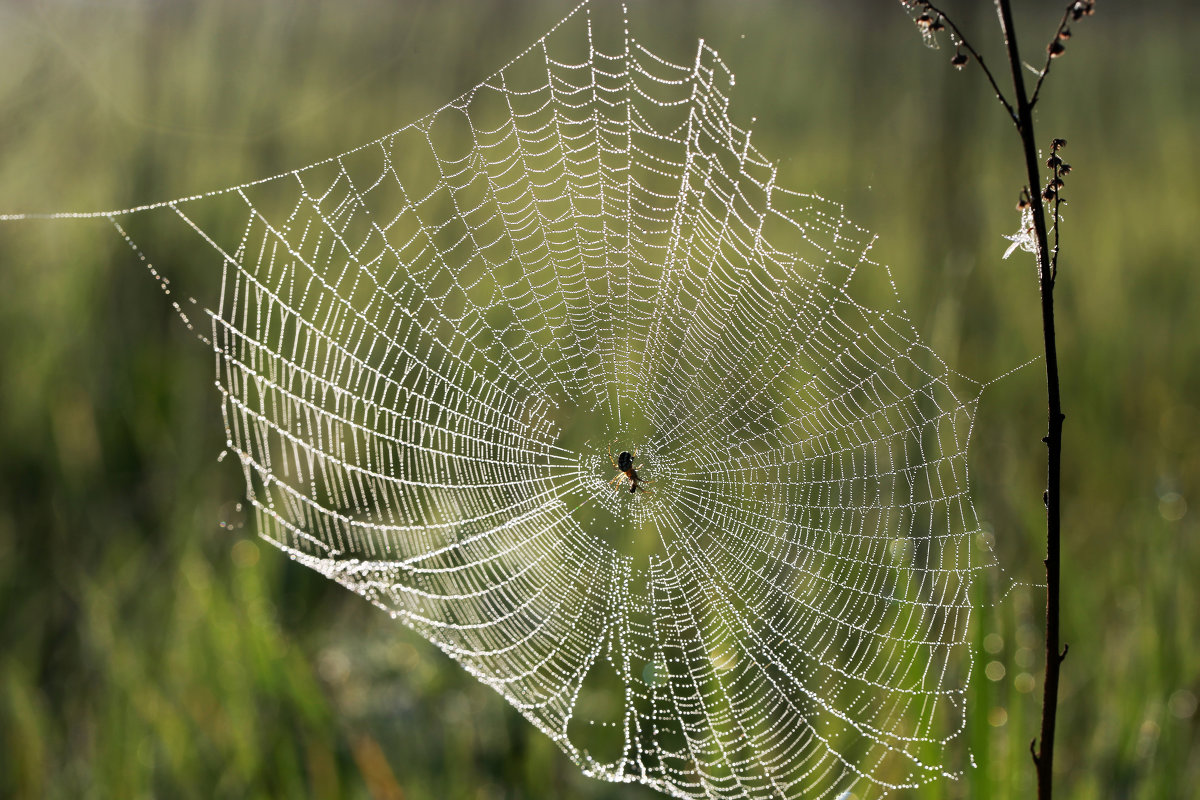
(431, 349)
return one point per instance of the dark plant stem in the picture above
(1043, 752)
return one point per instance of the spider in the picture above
(625, 469)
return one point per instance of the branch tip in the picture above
(931, 21)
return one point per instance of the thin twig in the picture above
(1054, 251)
(1060, 169)
(1044, 755)
(1050, 55)
(962, 41)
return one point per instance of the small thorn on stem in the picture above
(1062, 656)
(1033, 750)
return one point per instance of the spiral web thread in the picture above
(427, 346)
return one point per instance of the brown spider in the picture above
(625, 469)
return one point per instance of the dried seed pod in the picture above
(1053, 162)
(960, 60)
(1056, 48)
(1057, 144)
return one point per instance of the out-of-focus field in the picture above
(150, 646)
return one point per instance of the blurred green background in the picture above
(150, 646)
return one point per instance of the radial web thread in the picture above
(428, 346)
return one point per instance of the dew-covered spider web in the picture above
(431, 350)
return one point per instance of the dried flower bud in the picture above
(1049, 193)
(1057, 183)
(925, 21)
(937, 25)
(960, 60)
(1022, 204)
(1064, 34)
(1065, 169)
(1056, 48)
(1057, 144)
(1053, 161)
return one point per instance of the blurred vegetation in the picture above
(153, 647)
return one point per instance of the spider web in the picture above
(430, 348)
